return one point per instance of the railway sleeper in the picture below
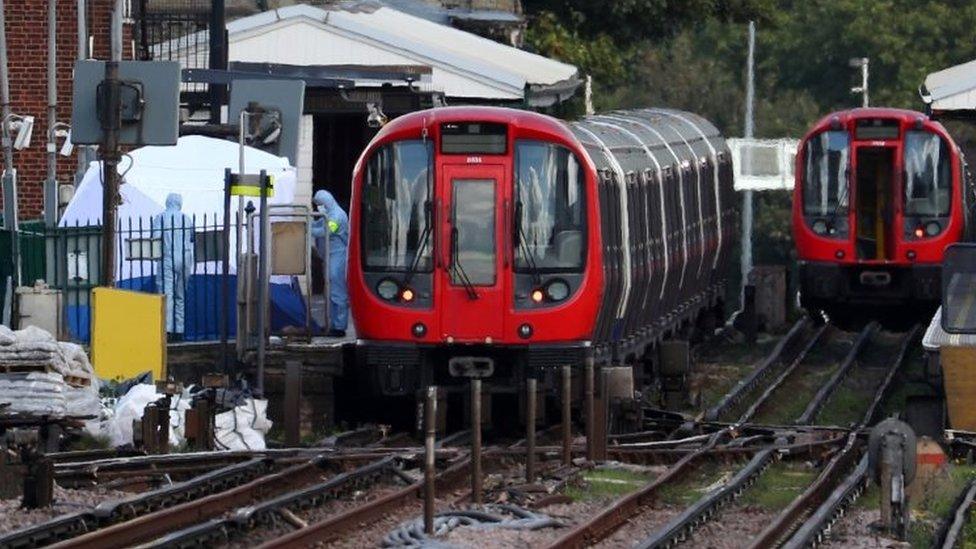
(681, 527)
(266, 513)
(69, 526)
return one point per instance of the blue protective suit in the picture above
(176, 231)
(335, 225)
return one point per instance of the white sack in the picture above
(118, 427)
(35, 393)
(244, 427)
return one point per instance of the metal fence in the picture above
(180, 257)
(174, 30)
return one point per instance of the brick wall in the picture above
(26, 28)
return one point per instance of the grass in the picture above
(854, 394)
(792, 397)
(780, 484)
(602, 484)
(695, 484)
(717, 369)
(935, 506)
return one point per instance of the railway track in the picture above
(286, 498)
(836, 486)
(950, 534)
(809, 513)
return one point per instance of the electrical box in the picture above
(40, 306)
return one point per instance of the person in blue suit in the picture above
(335, 227)
(175, 229)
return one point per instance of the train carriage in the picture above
(497, 241)
(879, 195)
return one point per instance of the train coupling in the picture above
(875, 278)
(471, 366)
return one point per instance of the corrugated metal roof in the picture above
(509, 70)
(953, 88)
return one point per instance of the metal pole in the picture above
(9, 177)
(110, 150)
(218, 57)
(430, 418)
(82, 20)
(225, 280)
(864, 82)
(530, 403)
(243, 320)
(476, 441)
(567, 416)
(51, 185)
(590, 409)
(749, 130)
(262, 279)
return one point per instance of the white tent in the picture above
(194, 168)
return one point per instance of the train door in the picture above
(875, 180)
(472, 282)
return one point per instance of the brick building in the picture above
(26, 28)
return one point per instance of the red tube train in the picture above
(879, 195)
(499, 240)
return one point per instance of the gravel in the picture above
(13, 517)
(855, 530)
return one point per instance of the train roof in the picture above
(670, 136)
(871, 112)
(500, 115)
(667, 135)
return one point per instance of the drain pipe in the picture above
(82, 166)
(9, 177)
(51, 185)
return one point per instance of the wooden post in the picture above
(430, 418)
(476, 496)
(590, 409)
(567, 416)
(530, 429)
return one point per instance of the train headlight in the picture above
(932, 228)
(538, 296)
(557, 290)
(419, 329)
(388, 289)
(820, 226)
(407, 295)
(525, 331)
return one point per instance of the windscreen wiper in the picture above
(524, 245)
(458, 269)
(424, 240)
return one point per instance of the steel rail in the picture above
(827, 389)
(264, 513)
(682, 525)
(611, 518)
(765, 367)
(159, 523)
(824, 487)
(782, 377)
(949, 533)
(329, 529)
(811, 532)
(75, 524)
